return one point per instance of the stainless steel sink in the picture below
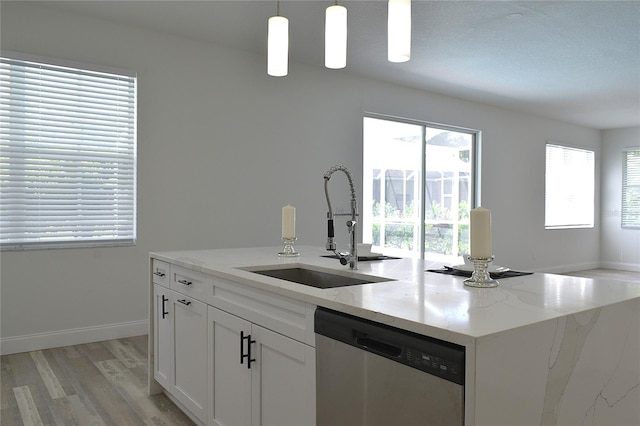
(318, 279)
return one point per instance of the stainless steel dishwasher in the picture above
(370, 374)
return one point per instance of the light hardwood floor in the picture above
(103, 383)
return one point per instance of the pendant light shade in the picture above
(335, 37)
(399, 30)
(278, 46)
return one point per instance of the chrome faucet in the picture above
(351, 257)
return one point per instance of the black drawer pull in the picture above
(248, 354)
(185, 282)
(184, 302)
(160, 274)
(164, 300)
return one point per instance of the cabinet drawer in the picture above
(189, 282)
(290, 317)
(160, 272)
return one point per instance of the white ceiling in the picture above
(577, 61)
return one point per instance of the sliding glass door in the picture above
(418, 188)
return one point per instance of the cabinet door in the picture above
(163, 338)
(284, 382)
(229, 379)
(190, 346)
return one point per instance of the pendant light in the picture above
(399, 30)
(278, 45)
(335, 37)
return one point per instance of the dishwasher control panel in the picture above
(437, 365)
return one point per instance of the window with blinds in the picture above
(631, 189)
(569, 187)
(67, 154)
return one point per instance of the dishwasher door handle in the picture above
(378, 347)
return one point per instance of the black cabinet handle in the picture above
(248, 354)
(158, 273)
(242, 347)
(184, 302)
(185, 282)
(164, 300)
(249, 359)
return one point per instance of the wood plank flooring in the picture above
(103, 383)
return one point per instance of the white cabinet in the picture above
(160, 272)
(180, 346)
(190, 348)
(163, 341)
(284, 384)
(258, 377)
(230, 378)
(190, 283)
(230, 353)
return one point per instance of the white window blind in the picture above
(569, 187)
(67, 155)
(631, 189)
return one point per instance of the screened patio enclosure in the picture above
(408, 182)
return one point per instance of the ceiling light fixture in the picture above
(335, 37)
(278, 45)
(399, 30)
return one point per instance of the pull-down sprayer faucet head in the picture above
(331, 241)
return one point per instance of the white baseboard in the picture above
(561, 269)
(76, 336)
(633, 267)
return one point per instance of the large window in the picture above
(67, 154)
(569, 187)
(418, 188)
(631, 189)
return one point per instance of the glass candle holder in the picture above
(481, 277)
(288, 250)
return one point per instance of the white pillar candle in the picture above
(288, 222)
(481, 232)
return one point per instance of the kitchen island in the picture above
(540, 348)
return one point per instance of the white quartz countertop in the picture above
(429, 303)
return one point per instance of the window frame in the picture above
(17, 145)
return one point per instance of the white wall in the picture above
(619, 247)
(222, 147)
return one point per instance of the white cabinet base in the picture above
(180, 349)
(190, 348)
(228, 354)
(284, 385)
(272, 384)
